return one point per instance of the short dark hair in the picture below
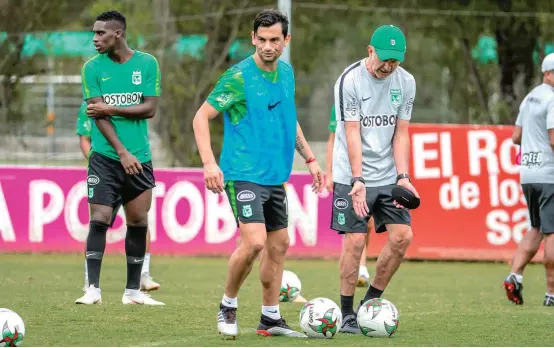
(267, 18)
(109, 16)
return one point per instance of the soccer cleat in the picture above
(513, 290)
(363, 281)
(147, 283)
(350, 325)
(92, 296)
(271, 327)
(227, 321)
(548, 301)
(300, 299)
(136, 297)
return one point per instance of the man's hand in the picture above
(213, 177)
(329, 182)
(130, 163)
(317, 175)
(359, 199)
(406, 184)
(99, 110)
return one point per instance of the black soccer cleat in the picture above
(513, 290)
(548, 301)
(350, 325)
(271, 327)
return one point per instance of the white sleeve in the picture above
(347, 104)
(405, 111)
(550, 114)
(520, 114)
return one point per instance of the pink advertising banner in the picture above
(467, 176)
(44, 209)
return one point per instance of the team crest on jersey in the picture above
(137, 77)
(395, 97)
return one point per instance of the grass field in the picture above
(440, 304)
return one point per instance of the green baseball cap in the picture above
(389, 42)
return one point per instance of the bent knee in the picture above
(281, 246)
(400, 237)
(252, 247)
(101, 214)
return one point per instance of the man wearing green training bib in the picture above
(121, 87)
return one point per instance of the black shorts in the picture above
(540, 202)
(380, 204)
(115, 210)
(251, 202)
(108, 184)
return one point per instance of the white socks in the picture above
(86, 272)
(229, 302)
(272, 312)
(146, 264)
(519, 277)
(269, 311)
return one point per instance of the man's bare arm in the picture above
(84, 143)
(201, 126)
(142, 111)
(302, 145)
(354, 146)
(401, 146)
(516, 135)
(106, 128)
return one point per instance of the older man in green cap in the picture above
(373, 106)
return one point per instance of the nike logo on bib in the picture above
(270, 107)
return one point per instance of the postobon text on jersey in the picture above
(378, 121)
(123, 99)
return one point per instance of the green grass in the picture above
(440, 304)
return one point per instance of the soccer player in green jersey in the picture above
(83, 130)
(257, 97)
(121, 87)
(363, 273)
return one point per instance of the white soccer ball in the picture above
(290, 287)
(378, 318)
(320, 318)
(12, 328)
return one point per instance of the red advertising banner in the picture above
(472, 206)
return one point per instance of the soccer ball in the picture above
(12, 328)
(290, 287)
(378, 318)
(320, 318)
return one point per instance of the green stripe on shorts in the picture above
(233, 198)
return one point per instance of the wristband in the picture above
(403, 176)
(310, 160)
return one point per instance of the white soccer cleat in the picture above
(300, 299)
(147, 283)
(363, 281)
(363, 278)
(227, 321)
(92, 296)
(139, 298)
